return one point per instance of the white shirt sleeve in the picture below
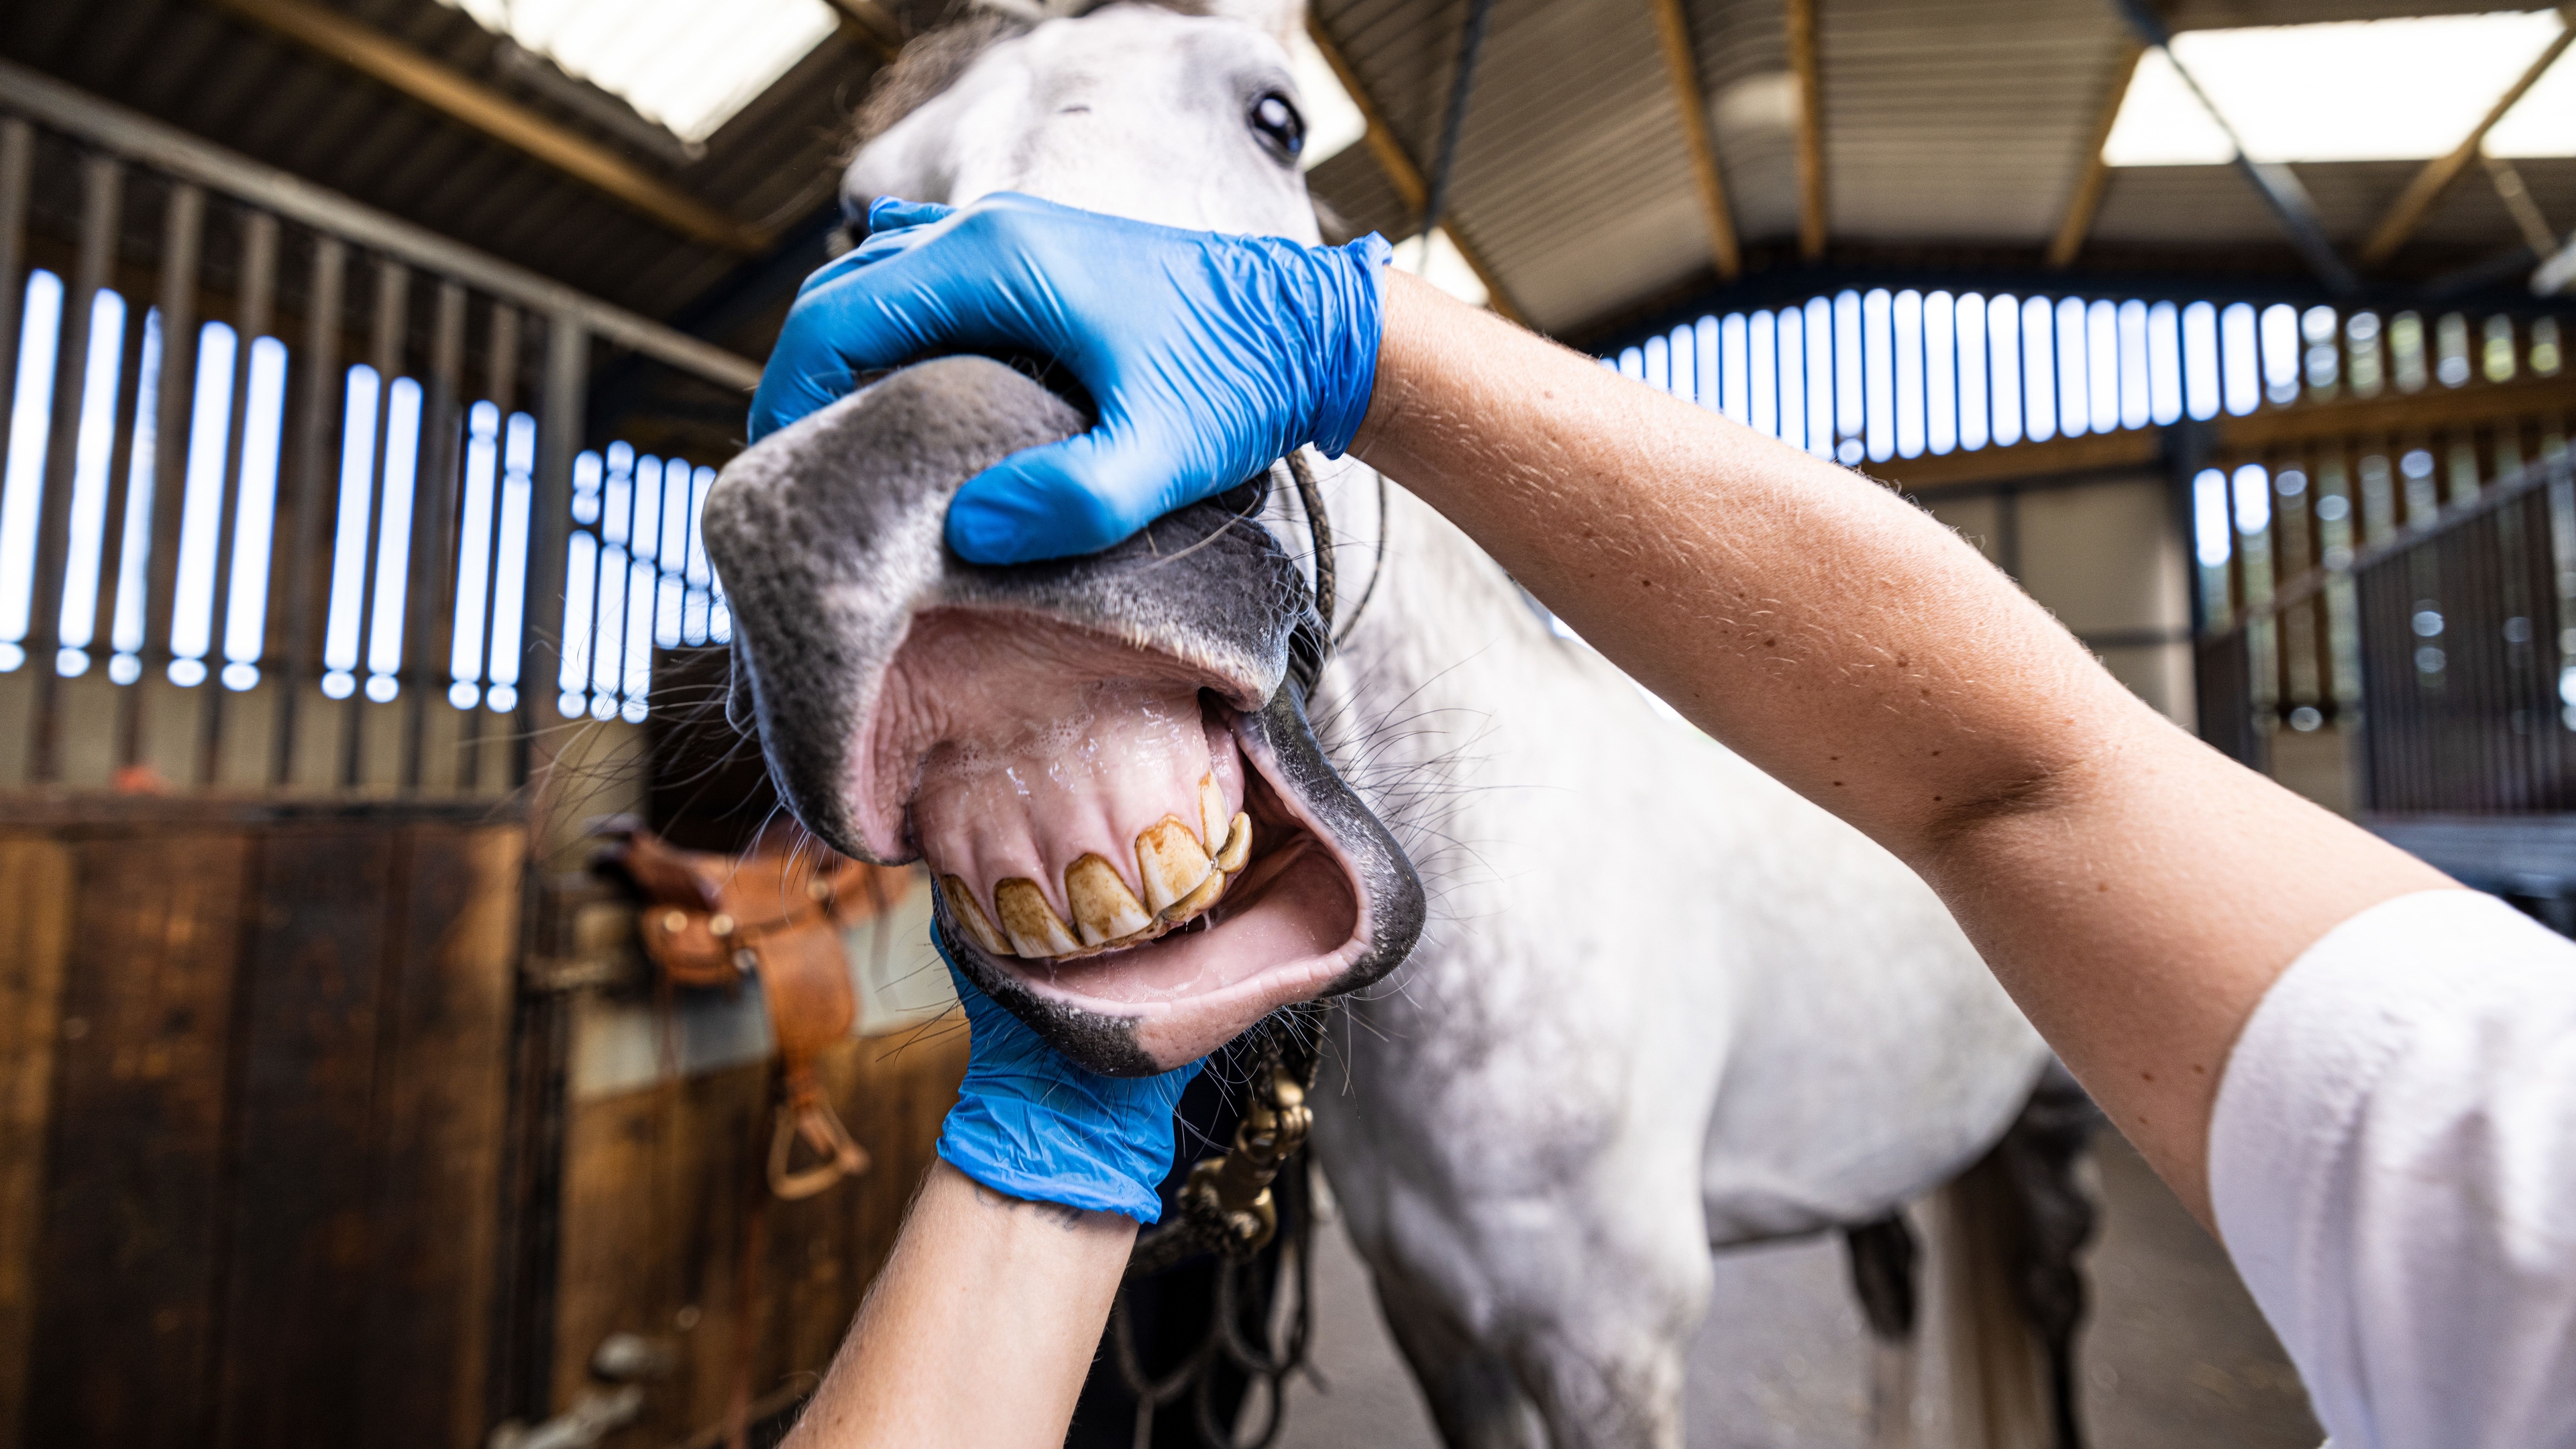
(2393, 1166)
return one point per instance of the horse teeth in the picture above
(1171, 861)
(1238, 845)
(1103, 908)
(970, 916)
(1211, 812)
(1033, 926)
(1198, 900)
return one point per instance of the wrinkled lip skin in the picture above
(828, 536)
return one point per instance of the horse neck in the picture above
(1443, 623)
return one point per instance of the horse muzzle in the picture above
(1141, 848)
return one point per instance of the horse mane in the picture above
(933, 61)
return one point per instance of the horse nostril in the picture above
(1275, 117)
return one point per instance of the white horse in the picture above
(1664, 1004)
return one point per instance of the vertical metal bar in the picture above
(102, 195)
(433, 574)
(254, 315)
(558, 439)
(313, 454)
(17, 169)
(393, 288)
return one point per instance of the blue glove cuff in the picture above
(1022, 1148)
(1356, 300)
(1032, 1124)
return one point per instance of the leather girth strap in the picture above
(777, 914)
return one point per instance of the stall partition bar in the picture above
(282, 539)
(2461, 626)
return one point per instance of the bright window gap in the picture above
(201, 507)
(22, 491)
(255, 515)
(349, 537)
(393, 541)
(93, 455)
(134, 552)
(473, 555)
(510, 561)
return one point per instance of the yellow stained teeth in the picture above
(1197, 900)
(1181, 883)
(970, 916)
(1171, 862)
(1032, 924)
(1211, 812)
(1103, 908)
(1238, 845)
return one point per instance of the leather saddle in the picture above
(774, 913)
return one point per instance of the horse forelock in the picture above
(933, 60)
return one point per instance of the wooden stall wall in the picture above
(657, 1182)
(665, 1130)
(254, 1058)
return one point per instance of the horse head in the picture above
(1140, 847)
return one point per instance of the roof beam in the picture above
(2416, 201)
(374, 54)
(2304, 424)
(1401, 172)
(1804, 64)
(1672, 27)
(2086, 202)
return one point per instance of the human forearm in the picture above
(2134, 891)
(979, 1330)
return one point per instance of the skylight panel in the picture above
(687, 65)
(2372, 90)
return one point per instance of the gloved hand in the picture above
(1032, 1124)
(1210, 356)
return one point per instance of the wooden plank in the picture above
(2086, 200)
(1401, 170)
(36, 902)
(1681, 61)
(1987, 467)
(1799, 24)
(126, 1306)
(656, 1177)
(2412, 205)
(436, 1142)
(471, 103)
(2298, 425)
(296, 1223)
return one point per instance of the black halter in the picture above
(1315, 638)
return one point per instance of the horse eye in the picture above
(1279, 124)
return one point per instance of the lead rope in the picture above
(1228, 1208)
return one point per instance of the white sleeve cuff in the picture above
(2392, 1162)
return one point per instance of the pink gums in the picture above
(1024, 745)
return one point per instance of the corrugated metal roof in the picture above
(276, 101)
(1953, 128)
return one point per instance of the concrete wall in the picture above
(2108, 560)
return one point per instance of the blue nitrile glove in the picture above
(1209, 356)
(1034, 1125)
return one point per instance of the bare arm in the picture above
(981, 1327)
(2134, 890)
